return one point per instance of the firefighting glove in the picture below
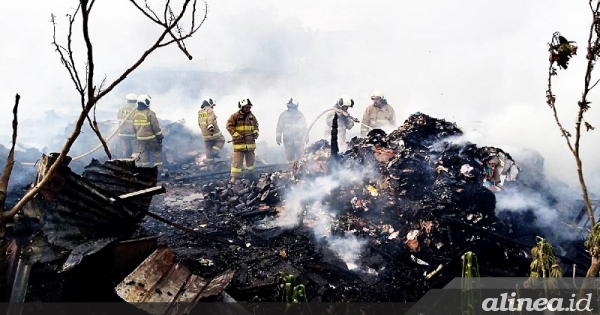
(278, 141)
(211, 128)
(255, 135)
(159, 140)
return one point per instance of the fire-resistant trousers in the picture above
(293, 152)
(150, 153)
(128, 144)
(213, 148)
(237, 163)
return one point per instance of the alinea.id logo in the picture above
(512, 304)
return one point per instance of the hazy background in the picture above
(478, 63)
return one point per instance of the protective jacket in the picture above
(344, 123)
(243, 128)
(291, 126)
(126, 129)
(378, 118)
(206, 120)
(146, 125)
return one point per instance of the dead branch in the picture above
(171, 21)
(10, 161)
(92, 98)
(561, 51)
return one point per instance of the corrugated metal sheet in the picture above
(122, 177)
(160, 286)
(73, 210)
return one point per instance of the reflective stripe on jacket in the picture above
(126, 129)
(146, 125)
(243, 127)
(206, 119)
(291, 126)
(378, 118)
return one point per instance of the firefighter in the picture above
(291, 128)
(243, 127)
(344, 122)
(378, 115)
(148, 133)
(213, 138)
(126, 133)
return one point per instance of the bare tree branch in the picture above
(167, 6)
(85, 14)
(154, 19)
(93, 98)
(181, 38)
(70, 51)
(10, 161)
(61, 51)
(561, 50)
(594, 85)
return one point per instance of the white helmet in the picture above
(378, 93)
(131, 98)
(144, 99)
(244, 102)
(208, 101)
(293, 102)
(345, 100)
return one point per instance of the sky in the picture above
(478, 63)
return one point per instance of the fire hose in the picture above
(339, 111)
(113, 133)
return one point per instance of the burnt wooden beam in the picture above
(141, 193)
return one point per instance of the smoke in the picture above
(549, 217)
(308, 202)
(465, 65)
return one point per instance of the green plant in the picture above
(471, 293)
(290, 291)
(545, 263)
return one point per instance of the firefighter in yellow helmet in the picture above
(291, 128)
(213, 138)
(344, 122)
(148, 133)
(243, 127)
(126, 133)
(379, 115)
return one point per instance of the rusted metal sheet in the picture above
(122, 177)
(160, 286)
(74, 211)
(130, 253)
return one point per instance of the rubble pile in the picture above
(386, 220)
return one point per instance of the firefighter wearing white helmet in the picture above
(211, 134)
(126, 133)
(378, 115)
(243, 128)
(148, 133)
(344, 122)
(291, 127)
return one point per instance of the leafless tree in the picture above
(173, 32)
(561, 51)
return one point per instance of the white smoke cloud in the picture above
(450, 60)
(548, 216)
(308, 201)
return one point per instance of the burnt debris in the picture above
(385, 220)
